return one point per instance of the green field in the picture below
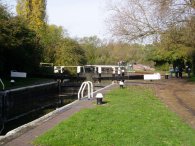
(130, 117)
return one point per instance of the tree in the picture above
(69, 53)
(120, 51)
(171, 48)
(4, 14)
(19, 48)
(34, 12)
(138, 19)
(90, 45)
(51, 40)
(132, 20)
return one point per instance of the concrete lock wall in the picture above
(24, 100)
(1, 110)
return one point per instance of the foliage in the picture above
(19, 47)
(69, 53)
(114, 52)
(51, 40)
(131, 116)
(171, 23)
(60, 49)
(172, 48)
(99, 52)
(57, 48)
(4, 14)
(192, 79)
(34, 12)
(140, 22)
(91, 46)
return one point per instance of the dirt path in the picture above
(179, 96)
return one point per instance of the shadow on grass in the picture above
(105, 102)
(102, 103)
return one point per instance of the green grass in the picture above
(21, 82)
(192, 79)
(131, 117)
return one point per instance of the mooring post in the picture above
(113, 73)
(99, 73)
(99, 98)
(123, 75)
(78, 70)
(119, 73)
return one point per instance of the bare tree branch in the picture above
(138, 19)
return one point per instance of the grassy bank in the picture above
(131, 117)
(192, 79)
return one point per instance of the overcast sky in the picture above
(79, 17)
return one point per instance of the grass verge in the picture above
(131, 117)
(192, 79)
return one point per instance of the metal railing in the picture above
(85, 84)
(3, 86)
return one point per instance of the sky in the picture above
(81, 18)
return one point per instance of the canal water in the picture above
(35, 114)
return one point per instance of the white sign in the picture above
(18, 74)
(155, 76)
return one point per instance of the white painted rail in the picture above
(85, 84)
